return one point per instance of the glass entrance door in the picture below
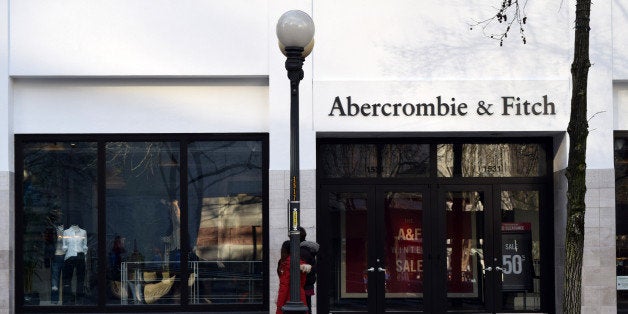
(491, 240)
(376, 250)
(393, 248)
(402, 249)
(519, 249)
(438, 225)
(465, 261)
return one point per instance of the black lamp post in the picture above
(295, 31)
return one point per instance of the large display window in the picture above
(141, 222)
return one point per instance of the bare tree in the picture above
(511, 13)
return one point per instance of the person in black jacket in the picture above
(308, 253)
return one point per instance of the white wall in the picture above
(620, 39)
(620, 103)
(404, 51)
(6, 123)
(139, 37)
(140, 105)
(404, 39)
(408, 52)
(600, 89)
(378, 43)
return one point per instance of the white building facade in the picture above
(432, 159)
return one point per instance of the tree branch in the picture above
(512, 14)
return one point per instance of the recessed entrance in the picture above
(412, 241)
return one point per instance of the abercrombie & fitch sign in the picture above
(509, 105)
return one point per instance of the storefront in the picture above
(144, 157)
(425, 225)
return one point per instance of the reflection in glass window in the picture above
(143, 222)
(68, 189)
(349, 161)
(59, 223)
(225, 221)
(348, 216)
(503, 160)
(445, 160)
(521, 256)
(404, 250)
(405, 160)
(464, 212)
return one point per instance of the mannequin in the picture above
(57, 264)
(75, 248)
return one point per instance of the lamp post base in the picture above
(294, 307)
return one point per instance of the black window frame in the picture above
(101, 139)
(432, 178)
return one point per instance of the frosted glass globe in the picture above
(295, 28)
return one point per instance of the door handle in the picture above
(372, 269)
(381, 269)
(488, 268)
(499, 268)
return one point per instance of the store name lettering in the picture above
(506, 106)
(409, 234)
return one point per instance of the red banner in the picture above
(404, 251)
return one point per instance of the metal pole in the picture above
(294, 65)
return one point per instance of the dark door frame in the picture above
(380, 198)
(542, 183)
(434, 248)
(375, 257)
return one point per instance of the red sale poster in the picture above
(404, 251)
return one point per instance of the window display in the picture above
(59, 248)
(225, 197)
(142, 192)
(164, 243)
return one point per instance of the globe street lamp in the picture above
(295, 31)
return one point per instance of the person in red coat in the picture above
(283, 270)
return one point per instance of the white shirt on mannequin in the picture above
(74, 241)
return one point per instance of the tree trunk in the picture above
(576, 168)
